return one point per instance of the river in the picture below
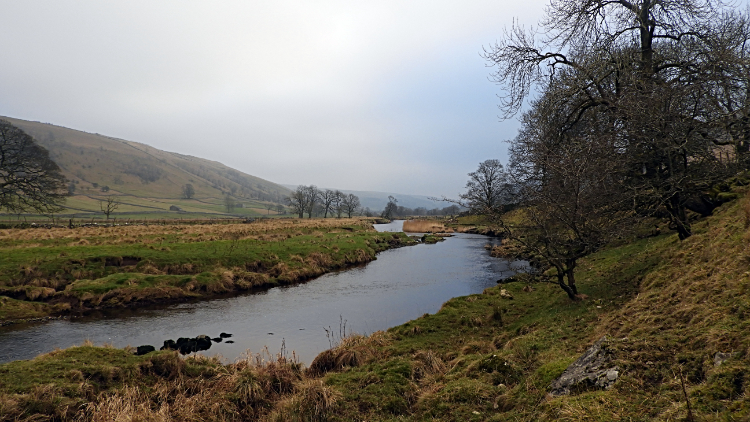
(401, 285)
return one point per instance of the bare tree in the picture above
(311, 198)
(327, 197)
(297, 201)
(570, 188)
(29, 179)
(109, 205)
(338, 201)
(488, 189)
(391, 208)
(671, 75)
(350, 204)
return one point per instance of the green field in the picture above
(46, 271)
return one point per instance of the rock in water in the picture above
(203, 342)
(169, 345)
(142, 350)
(225, 335)
(590, 371)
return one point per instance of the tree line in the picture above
(314, 201)
(642, 110)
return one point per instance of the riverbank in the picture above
(675, 313)
(60, 271)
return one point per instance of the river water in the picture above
(401, 285)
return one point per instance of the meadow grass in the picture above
(95, 267)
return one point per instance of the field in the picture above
(49, 271)
(667, 308)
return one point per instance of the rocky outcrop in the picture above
(593, 370)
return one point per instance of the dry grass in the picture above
(425, 226)
(268, 230)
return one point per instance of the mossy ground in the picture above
(54, 270)
(668, 307)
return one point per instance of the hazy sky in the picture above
(364, 95)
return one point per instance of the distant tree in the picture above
(311, 198)
(338, 201)
(229, 204)
(368, 212)
(297, 201)
(487, 189)
(71, 189)
(451, 210)
(391, 208)
(327, 198)
(105, 189)
(188, 191)
(270, 207)
(29, 179)
(350, 204)
(109, 205)
(280, 209)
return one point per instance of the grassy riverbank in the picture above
(59, 270)
(668, 307)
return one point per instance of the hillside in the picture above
(147, 180)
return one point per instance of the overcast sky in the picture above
(363, 95)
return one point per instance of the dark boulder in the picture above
(225, 335)
(169, 345)
(142, 350)
(203, 342)
(217, 339)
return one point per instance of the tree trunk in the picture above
(561, 283)
(678, 217)
(570, 273)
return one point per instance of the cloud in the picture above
(385, 95)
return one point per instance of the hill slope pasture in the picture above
(147, 181)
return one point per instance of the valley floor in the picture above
(668, 307)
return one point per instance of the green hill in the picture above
(147, 180)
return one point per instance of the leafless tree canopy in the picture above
(672, 76)
(109, 205)
(297, 201)
(350, 204)
(487, 190)
(29, 179)
(327, 198)
(642, 107)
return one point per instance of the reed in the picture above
(424, 226)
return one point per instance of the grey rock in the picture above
(591, 371)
